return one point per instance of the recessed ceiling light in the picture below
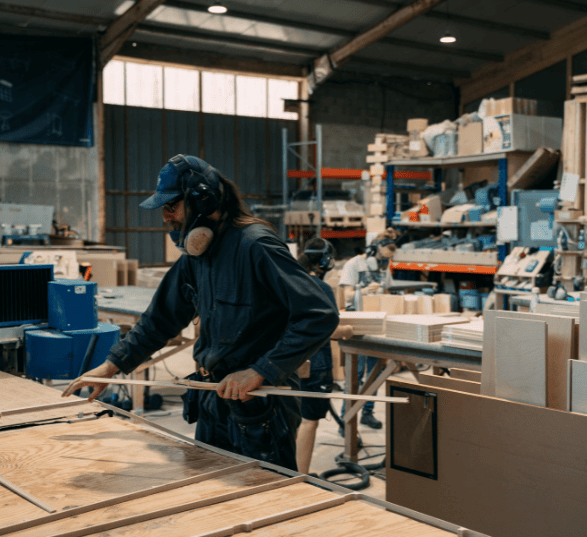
(448, 38)
(217, 8)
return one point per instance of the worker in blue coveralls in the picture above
(317, 259)
(261, 315)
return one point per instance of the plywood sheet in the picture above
(520, 360)
(578, 386)
(505, 469)
(562, 346)
(583, 327)
(227, 514)
(238, 481)
(353, 519)
(71, 465)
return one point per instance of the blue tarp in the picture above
(46, 90)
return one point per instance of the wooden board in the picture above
(520, 360)
(208, 489)
(561, 347)
(356, 519)
(69, 465)
(577, 397)
(450, 383)
(465, 374)
(583, 327)
(504, 469)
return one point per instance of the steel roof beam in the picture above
(471, 21)
(430, 69)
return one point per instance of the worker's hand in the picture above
(343, 331)
(371, 289)
(237, 385)
(106, 370)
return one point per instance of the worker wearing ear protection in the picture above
(371, 272)
(261, 314)
(317, 259)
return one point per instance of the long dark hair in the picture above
(233, 204)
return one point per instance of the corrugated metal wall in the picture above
(139, 141)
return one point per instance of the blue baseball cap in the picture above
(173, 181)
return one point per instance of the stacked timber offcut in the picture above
(385, 148)
(422, 328)
(467, 336)
(365, 323)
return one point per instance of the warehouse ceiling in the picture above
(296, 37)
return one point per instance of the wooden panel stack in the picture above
(385, 148)
(423, 328)
(365, 323)
(469, 336)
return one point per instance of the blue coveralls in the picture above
(258, 308)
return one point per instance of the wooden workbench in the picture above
(81, 474)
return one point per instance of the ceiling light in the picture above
(448, 38)
(217, 8)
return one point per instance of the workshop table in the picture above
(123, 306)
(390, 353)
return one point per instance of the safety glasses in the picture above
(172, 205)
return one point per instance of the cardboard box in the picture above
(567, 214)
(417, 125)
(520, 132)
(511, 105)
(470, 141)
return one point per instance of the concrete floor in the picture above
(329, 443)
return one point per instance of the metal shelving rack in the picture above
(289, 148)
(438, 164)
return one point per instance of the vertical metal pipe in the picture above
(319, 175)
(390, 192)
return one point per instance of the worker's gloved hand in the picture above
(106, 370)
(237, 385)
(371, 289)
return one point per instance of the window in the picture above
(251, 96)
(113, 85)
(144, 85)
(181, 89)
(278, 91)
(176, 88)
(218, 93)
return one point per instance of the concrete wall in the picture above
(352, 109)
(64, 177)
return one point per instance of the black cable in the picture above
(347, 467)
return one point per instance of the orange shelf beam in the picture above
(343, 233)
(344, 173)
(435, 267)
